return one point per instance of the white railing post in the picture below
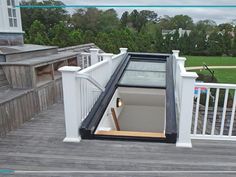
(71, 103)
(123, 50)
(108, 57)
(175, 55)
(180, 62)
(186, 108)
(94, 55)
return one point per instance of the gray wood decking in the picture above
(37, 145)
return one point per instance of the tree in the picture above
(226, 43)
(47, 16)
(165, 22)
(37, 34)
(206, 25)
(134, 20)
(76, 36)
(181, 21)
(86, 19)
(184, 44)
(108, 20)
(139, 19)
(198, 44)
(88, 36)
(215, 46)
(234, 45)
(225, 27)
(60, 35)
(124, 19)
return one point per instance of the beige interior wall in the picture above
(142, 118)
(142, 110)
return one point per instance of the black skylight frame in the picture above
(90, 124)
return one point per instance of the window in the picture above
(144, 73)
(12, 13)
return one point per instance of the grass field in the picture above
(210, 61)
(222, 75)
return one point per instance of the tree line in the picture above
(137, 30)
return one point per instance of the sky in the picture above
(220, 15)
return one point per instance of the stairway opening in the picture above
(142, 113)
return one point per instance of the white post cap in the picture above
(106, 54)
(69, 69)
(175, 52)
(94, 50)
(123, 50)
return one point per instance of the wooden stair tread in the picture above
(131, 133)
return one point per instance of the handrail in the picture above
(91, 80)
(85, 53)
(215, 85)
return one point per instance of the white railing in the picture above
(207, 114)
(100, 58)
(82, 88)
(216, 123)
(85, 60)
(89, 92)
(88, 59)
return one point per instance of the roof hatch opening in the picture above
(138, 102)
(142, 114)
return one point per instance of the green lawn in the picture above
(222, 75)
(210, 61)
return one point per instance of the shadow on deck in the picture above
(37, 145)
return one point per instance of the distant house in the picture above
(231, 33)
(10, 27)
(172, 32)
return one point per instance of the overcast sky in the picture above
(220, 15)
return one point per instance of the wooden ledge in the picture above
(131, 134)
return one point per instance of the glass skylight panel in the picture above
(145, 73)
(146, 66)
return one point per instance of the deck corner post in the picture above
(186, 108)
(94, 55)
(70, 95)
(123, 50)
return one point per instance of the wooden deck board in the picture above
(37, 145)
(131, 134)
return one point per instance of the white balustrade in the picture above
(85, 60)
(221, 125)
(87, 84)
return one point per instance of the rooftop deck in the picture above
(38, 145)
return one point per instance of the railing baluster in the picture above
(83, 66)
(206, 112)
(87, 99)
(82, 98)
(197, 110)
(224, 112)
(232, 115)
(215, 112)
